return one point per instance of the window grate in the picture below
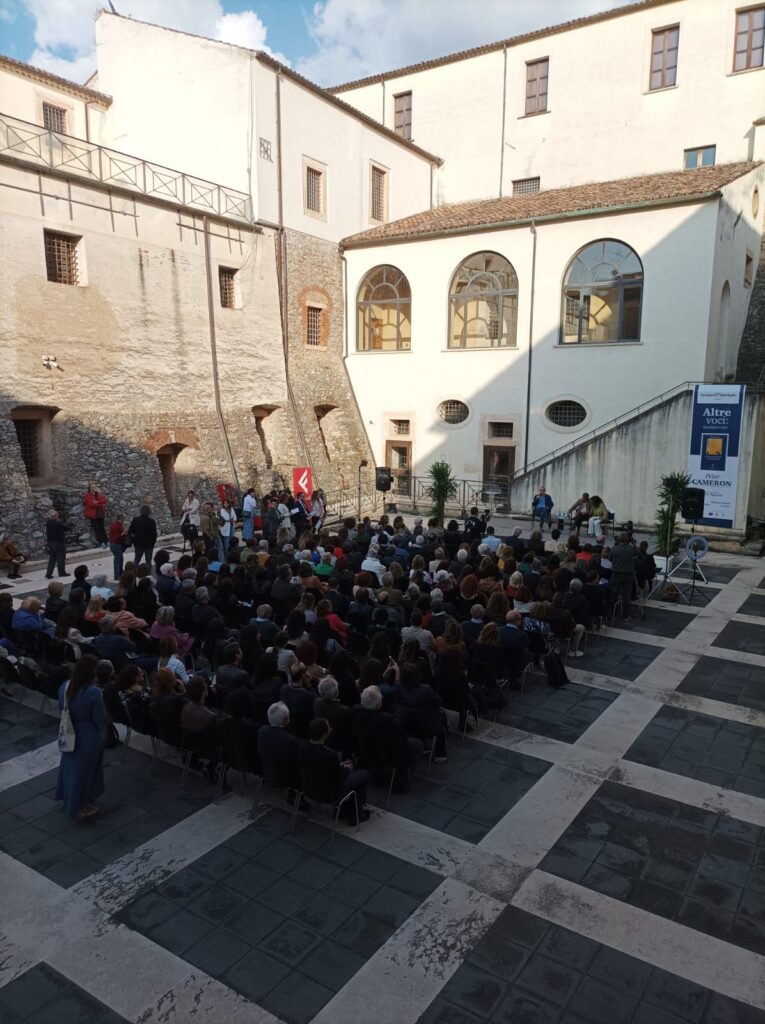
(61, 258)
(54, 118)
(500, 429)
(664, 57)
(453, 411)
(313, 326)
(525, 186)
(537, 73)
(378, 193)
(401, 427)
(750, 39)
(314, 190)
(402, 115)
(28, 436)
(566, 413)
(227, 287)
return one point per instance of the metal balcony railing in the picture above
(31, 144)
(410, 494)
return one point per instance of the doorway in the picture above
(498, 469)
(167, 456)
(398, 455)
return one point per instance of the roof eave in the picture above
(19, 67)
(474, 229)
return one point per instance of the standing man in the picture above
(226, 527)
(541, 507)
(474, 526)
(249, 511)
(95, 510)
(190, 519)
(55, 536)
(208, 525)
(622, 573)
(143, 534)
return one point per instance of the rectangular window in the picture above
(226, 279)
(314, 189)
(313, 326)
(525, 186)
(54, 118)
(664, 48)
(703, 156)
(500, 429)
(61, 257)
(402, 117)
(537, 73)
(378, 193)
(28, 436)
(401, 427)
(750, 39)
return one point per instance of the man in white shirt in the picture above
(491, 542)
(249, 510)
(373, 564)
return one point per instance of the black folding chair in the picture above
(320, 795)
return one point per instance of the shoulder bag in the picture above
(66, 733)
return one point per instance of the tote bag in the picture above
(66, 734)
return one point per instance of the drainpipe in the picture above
(382, 119)
(284, 284)
(214, 357)
(531, 345)
(504, 108)
(87, 120)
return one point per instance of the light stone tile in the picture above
(407, 973)
(734, 972)
(418, 844)
(718, 708)
(200, 999)
(28, 766)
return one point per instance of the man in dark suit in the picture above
(298, 696)
(279, 750)
(265, 625)
(320, 767)
(381, 741)
(471, 629)
(515, 644)
(327, 705)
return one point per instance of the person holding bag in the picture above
(81, 741)
(95, 509)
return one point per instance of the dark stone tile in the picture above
(705, 918)
(353, 889)
(719, 894)
(362, 933)
(555, 980)
(218, 903)
(376, 865)
(568, 948)
(286, 896)
(73, 869)
(74, 1007)
(676, 995)
(415, 881)
(722, 1010)
(498, 955)
(180, 931)
(290, 942)
(608, 882)
(391, 906)
(519, 926)
(523, 1007)
(32, 990)
(146, 912)
(658, 899)
(601, 1004)
(331, 965)
(250, 841)
(475, 990)
(620, 971)
(255, 975)
(219, 863)
(442, 1012)
(186, 885)
(315, 872)
(253, 922)
(217, 952)
(565, 865)
(297, 999)
(323, 914)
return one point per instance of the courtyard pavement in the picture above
(596, 855)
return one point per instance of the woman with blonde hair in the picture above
(95, 610)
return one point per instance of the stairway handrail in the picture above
(590, 435)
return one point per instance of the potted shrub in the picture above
(442, 488)
(670, 495)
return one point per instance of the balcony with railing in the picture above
(34, 145)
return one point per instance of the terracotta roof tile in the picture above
(478, 51)
(29, 71)
(475, 215)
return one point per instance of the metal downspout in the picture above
(504, 111)
(531, 346)
(214, 357)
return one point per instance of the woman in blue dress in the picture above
(81, 772)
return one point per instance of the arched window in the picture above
(483, 303)
(602, 294)
(384, 311)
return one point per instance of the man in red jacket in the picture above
(95, 510)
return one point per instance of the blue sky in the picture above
(330, 41)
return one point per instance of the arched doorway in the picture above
(167, 456)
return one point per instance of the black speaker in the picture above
(382, 478)
(693, 503)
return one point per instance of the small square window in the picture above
(378, 193)
(314, 318)
(402, 115)
(537, 74)
(525, 186)
(61, 257)
(664, 47)
(314, 190)
(54, 118)
(500, 429)
(749, 270)
(227, 281)
(704, 156)
(749, 49)
(401, 427)
(265, 149)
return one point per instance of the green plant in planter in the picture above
(442, 488)
(670, 495)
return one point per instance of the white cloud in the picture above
(356, 39)
(64, 29)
